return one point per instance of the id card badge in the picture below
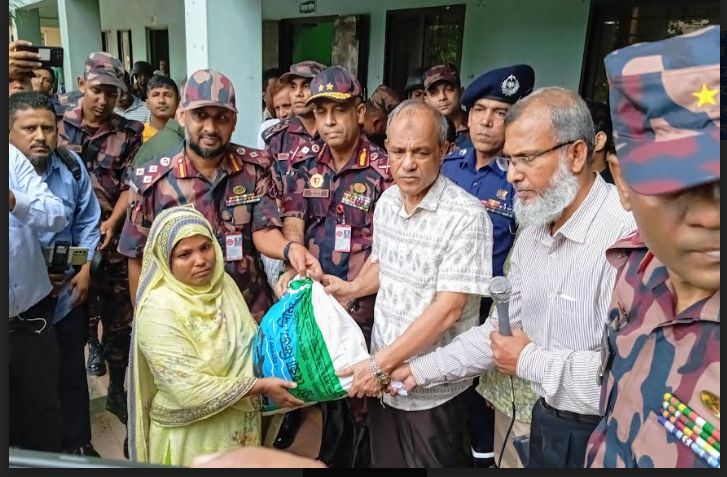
(233, 247)
(343, 238)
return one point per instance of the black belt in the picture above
(573, 416)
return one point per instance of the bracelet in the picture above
(286, 250)
(382, 377)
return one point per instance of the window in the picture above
(123, 38)
(422, 37)
(618, 24)
(105, 41)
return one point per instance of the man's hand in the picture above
(402, 373)
(506, 350)
(340, 289)
(21, 63)
(108, 229)
(282, 286)
(80, 285)
(56, 280)
(11, 201)
(364, 382)
(304, 262)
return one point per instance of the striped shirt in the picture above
(561, 290)
(443, 245)
(136, 112)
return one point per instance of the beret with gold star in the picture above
(665, 108)
(334, 83)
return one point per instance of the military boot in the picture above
(116, 397)
(95, 365)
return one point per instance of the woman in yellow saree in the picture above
(192, 390)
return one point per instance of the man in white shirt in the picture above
(561, 281)
(33, 349)
(432, 254)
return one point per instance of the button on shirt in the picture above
(561, 290)
(83, 229)
(36, 210)
(489, 184)
(443, 245)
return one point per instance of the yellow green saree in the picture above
(191, 355)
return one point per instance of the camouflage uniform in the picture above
(666, 125)
(449, 73)
(288, 143)
(107, 152)
(239, 201)
(385, 98)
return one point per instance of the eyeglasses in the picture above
(515, 160)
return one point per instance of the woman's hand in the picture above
(277, 390)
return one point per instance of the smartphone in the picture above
(49, 55)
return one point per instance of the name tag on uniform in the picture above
(233, 247)
(316, 193)
(243, 199)
(343, 238)
(359, 201)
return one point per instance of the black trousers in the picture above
(34, 408)
(72, 333)
(437, 437)
(482, 416)
(558, 441)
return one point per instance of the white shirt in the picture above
(443, 245)
(137, 111)
(36, 210)
(561, 290)
(263, 127)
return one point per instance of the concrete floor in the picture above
(108, 433)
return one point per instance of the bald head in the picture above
(419, 111)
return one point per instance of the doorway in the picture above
(158, 46)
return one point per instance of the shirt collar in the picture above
(75, 118)
(576, 227)
(431, 199)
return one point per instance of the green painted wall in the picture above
(27, 24)
(548, 34)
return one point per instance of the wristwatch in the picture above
(382, 377)
(286, 250)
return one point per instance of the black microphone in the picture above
(500, 290)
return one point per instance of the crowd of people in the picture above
(604, 218)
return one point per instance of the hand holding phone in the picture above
(47, 55)
(22, 61)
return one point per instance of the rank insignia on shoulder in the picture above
(147, 180)
(315, 148)
(165, 161)
(463, 152)
(140, 171)
(153, 168)
(240, 150)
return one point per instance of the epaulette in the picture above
(631, 241)
(275, 129)
(142, 178)
(456, 154)
(618, 253)
(240, 154)
(379, 161)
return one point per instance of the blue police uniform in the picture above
(489, 184)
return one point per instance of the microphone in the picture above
(500, 290)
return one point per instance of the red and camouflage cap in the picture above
(104, 69)
(334, 83)
(438, 73)
(304, 69)
(384, 98)
(665, 108)
(208, 88)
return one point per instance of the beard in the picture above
(549, 205)
(39, 162)
(206, 153)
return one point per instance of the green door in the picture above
(313, 41)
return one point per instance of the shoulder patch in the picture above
(144, 178)
(275, 129)
(253, 156)
(380, 162)
(456, 154)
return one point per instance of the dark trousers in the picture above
(72, 332)
(345, 436)
(34, 408)
(436, 437)
(558, 439)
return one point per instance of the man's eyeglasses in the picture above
(515, 160)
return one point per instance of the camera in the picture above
(49, 56)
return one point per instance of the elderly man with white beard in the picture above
(561, 281)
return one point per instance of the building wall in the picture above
(137, 16)
(549, 35)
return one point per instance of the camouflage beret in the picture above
(665, 109)
(334, 83)
(304, 69)
(439, 73)
(104, 69)
(384, 98)
(208, 88)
